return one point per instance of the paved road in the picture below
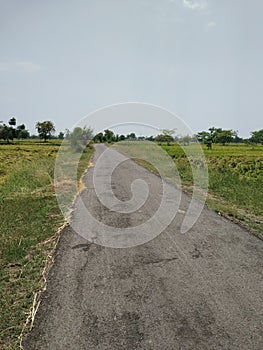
(201, 290)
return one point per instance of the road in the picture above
(199, 290)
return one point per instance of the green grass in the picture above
(29, 221)
(235, 180)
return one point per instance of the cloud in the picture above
(195, 5)
(211, 24)
(19, 66)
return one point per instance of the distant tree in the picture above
(203, 136)
(238, 139)
(80, 138)
(45, 129)
(185, 140)
(87, 134)
(131, 136)
(122, 138)
(257, 136)
(213, 133)
(169, 135)
(150, 138)
(224, 136)
(6, 133)
(23, 134)
(67, 134)
(109, 136)
(61, 135)
(98, 138)
(216, 135)
(169, 132)
(12, 121)
(164, 138)
(141, 138)
(21, 127)
(76, 139)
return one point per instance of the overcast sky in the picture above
(61, 60)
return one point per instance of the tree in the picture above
(185, 140)
(80, 138)
(109, 136)
(61, 135)
(67, 134)
(216, 135)
(238, 139)
(203, 136)
(257, 136)
(12, 121)
(141, 138)
(6, 133)
(213, 133)
(45, 129)
(150, 138)
(98, 137)
(76, 139)
(131, 136)
(169, 132)
(21, 132)
(164, 138)
(224, 136)
(21, 127)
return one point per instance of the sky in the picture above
(200, 59)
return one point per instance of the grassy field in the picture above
(235, 181)
(29, 223)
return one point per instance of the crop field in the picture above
(235, 181)
(29, 223)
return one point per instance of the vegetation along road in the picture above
(199, 290)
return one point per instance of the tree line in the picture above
(221, 136)
(78, 137)
(209, 137)
(10, 131)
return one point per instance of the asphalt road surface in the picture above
(199, 290)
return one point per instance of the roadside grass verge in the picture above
(29, 222)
